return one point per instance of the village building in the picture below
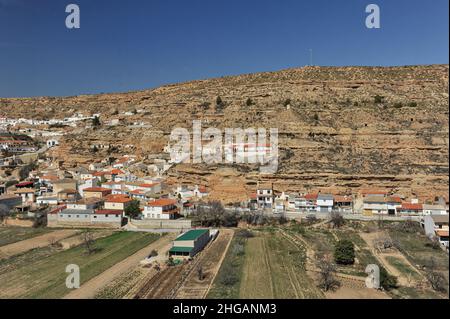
(410, 209)
(10, 200)
(436, 226)
(62, 184)
(265, 196)
(117, 202)
(375, 205)
(190, 243)
(161, 209)
(434, 209)
(74, 218)
(343, 204)
(97, 192)
(325, 203)
(306, 203)
(28, 195)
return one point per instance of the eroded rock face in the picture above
(340, 128)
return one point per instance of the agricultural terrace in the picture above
(40, 273)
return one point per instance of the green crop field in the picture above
(40, 273)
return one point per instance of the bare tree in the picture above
(436, 278)
(337, 219)
(4, 212)
(89, 241)
(200, 273)
(327, 271)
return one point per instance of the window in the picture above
(95, 216)
(106, 215)
(78, 216)
(117, 215)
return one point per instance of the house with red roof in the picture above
(163, 208)
(410, 209)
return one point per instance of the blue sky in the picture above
(139, 44)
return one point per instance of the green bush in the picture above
(344, 252)
(387, 281)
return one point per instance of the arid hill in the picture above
(340, 128)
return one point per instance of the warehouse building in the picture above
(190, 243)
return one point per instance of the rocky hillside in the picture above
(340, 127)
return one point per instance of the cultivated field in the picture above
(182, 281)
(9, 234)
(40, 273)
(285, 258)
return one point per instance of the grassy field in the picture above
(10, 235)
(269, 266)
(228, 280)
(40, 273)
(414, 247)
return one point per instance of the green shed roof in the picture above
(192, 234)
(181, 249)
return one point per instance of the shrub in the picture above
(398, 105)
(287, 102)
(412, 104)
(378, 99)
(344, 252)
(387, 281)
(249, 102)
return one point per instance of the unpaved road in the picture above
(35, 242)
(403, 280)
(89, 289)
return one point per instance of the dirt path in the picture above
(403, 280)
(90, 288)
(210, 260)
(35, 242)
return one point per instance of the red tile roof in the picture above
(162, 202)
(119, 198)
(409, 206)
(117, 171)
(148, 185)
(311, 196)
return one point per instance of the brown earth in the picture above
(90, 288)
(35, 242)
(333, 134)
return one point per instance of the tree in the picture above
(436, 278)
(249, 102)
(378, 99)
(133, 210)
(88, 242)
(200, 273)
(387, 281)
(219, 103)
(4, 212)
(96, 122)
(327, 271)
(344, 252)
(337, 219)
(316, 118)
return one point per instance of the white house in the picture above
(161, 209)
(325, 203)
(434, 209)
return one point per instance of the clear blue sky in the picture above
(139, 44)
